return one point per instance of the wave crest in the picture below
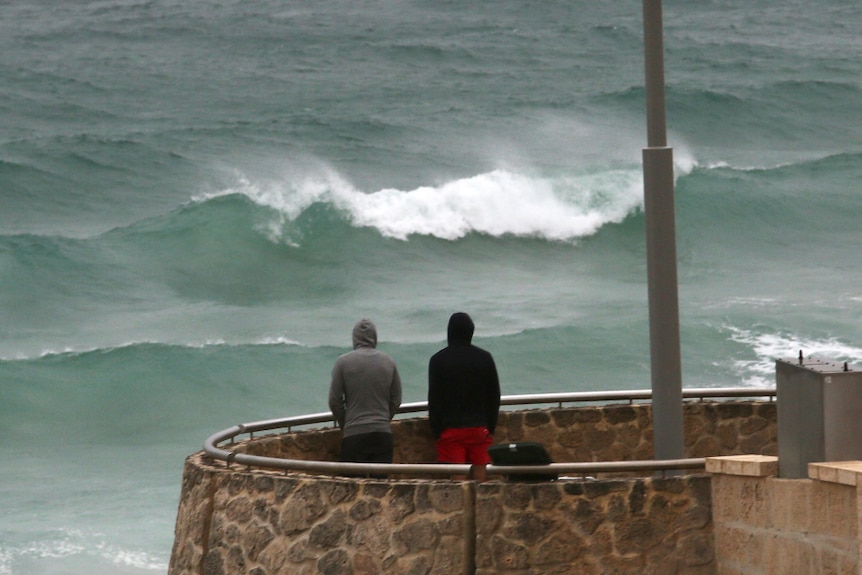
(497, 203)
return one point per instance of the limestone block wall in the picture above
(620, 432)
(765, 525)
(616, 432)
(235, 521)
(242, 522)
(623, 526)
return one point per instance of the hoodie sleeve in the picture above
(394, 393)
(492, 407)
(435, 418)
(336, 394)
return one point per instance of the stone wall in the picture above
(238, 521)
(634, 526)
(615, 432)
(243, 522)
(765, 525)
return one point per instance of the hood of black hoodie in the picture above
(460, 330)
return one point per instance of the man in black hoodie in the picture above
(463, 398)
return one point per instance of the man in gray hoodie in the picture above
(364, 395)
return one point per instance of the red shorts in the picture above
(465, 445)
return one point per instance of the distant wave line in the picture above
(71, 351)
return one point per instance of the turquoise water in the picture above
(199, 201)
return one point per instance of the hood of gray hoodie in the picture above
(364, 334)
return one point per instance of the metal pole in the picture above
(665, 362)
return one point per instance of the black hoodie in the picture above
(463, 386)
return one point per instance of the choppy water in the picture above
(198, 200)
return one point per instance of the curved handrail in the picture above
(211, 444)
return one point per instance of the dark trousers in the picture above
(374, 447)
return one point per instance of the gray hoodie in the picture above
(365, 392)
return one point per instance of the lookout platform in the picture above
(278, 502)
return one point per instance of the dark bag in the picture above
(524, 453)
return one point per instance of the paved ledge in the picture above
(843, 472)
(748, 465)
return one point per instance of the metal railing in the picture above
(211, 445)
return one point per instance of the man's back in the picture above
(367, 379)
(463, 385)
(365, 390)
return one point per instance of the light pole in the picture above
(665, 362)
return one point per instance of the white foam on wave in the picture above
(768, 346)
(497, 203)
(501, 203)
(78, 545)
(135, 559)
(5, 561)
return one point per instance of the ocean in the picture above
(199, 199)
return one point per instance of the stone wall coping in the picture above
(843, 472)
(748, 465)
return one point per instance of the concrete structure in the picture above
(766, 525)
(818, 415)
